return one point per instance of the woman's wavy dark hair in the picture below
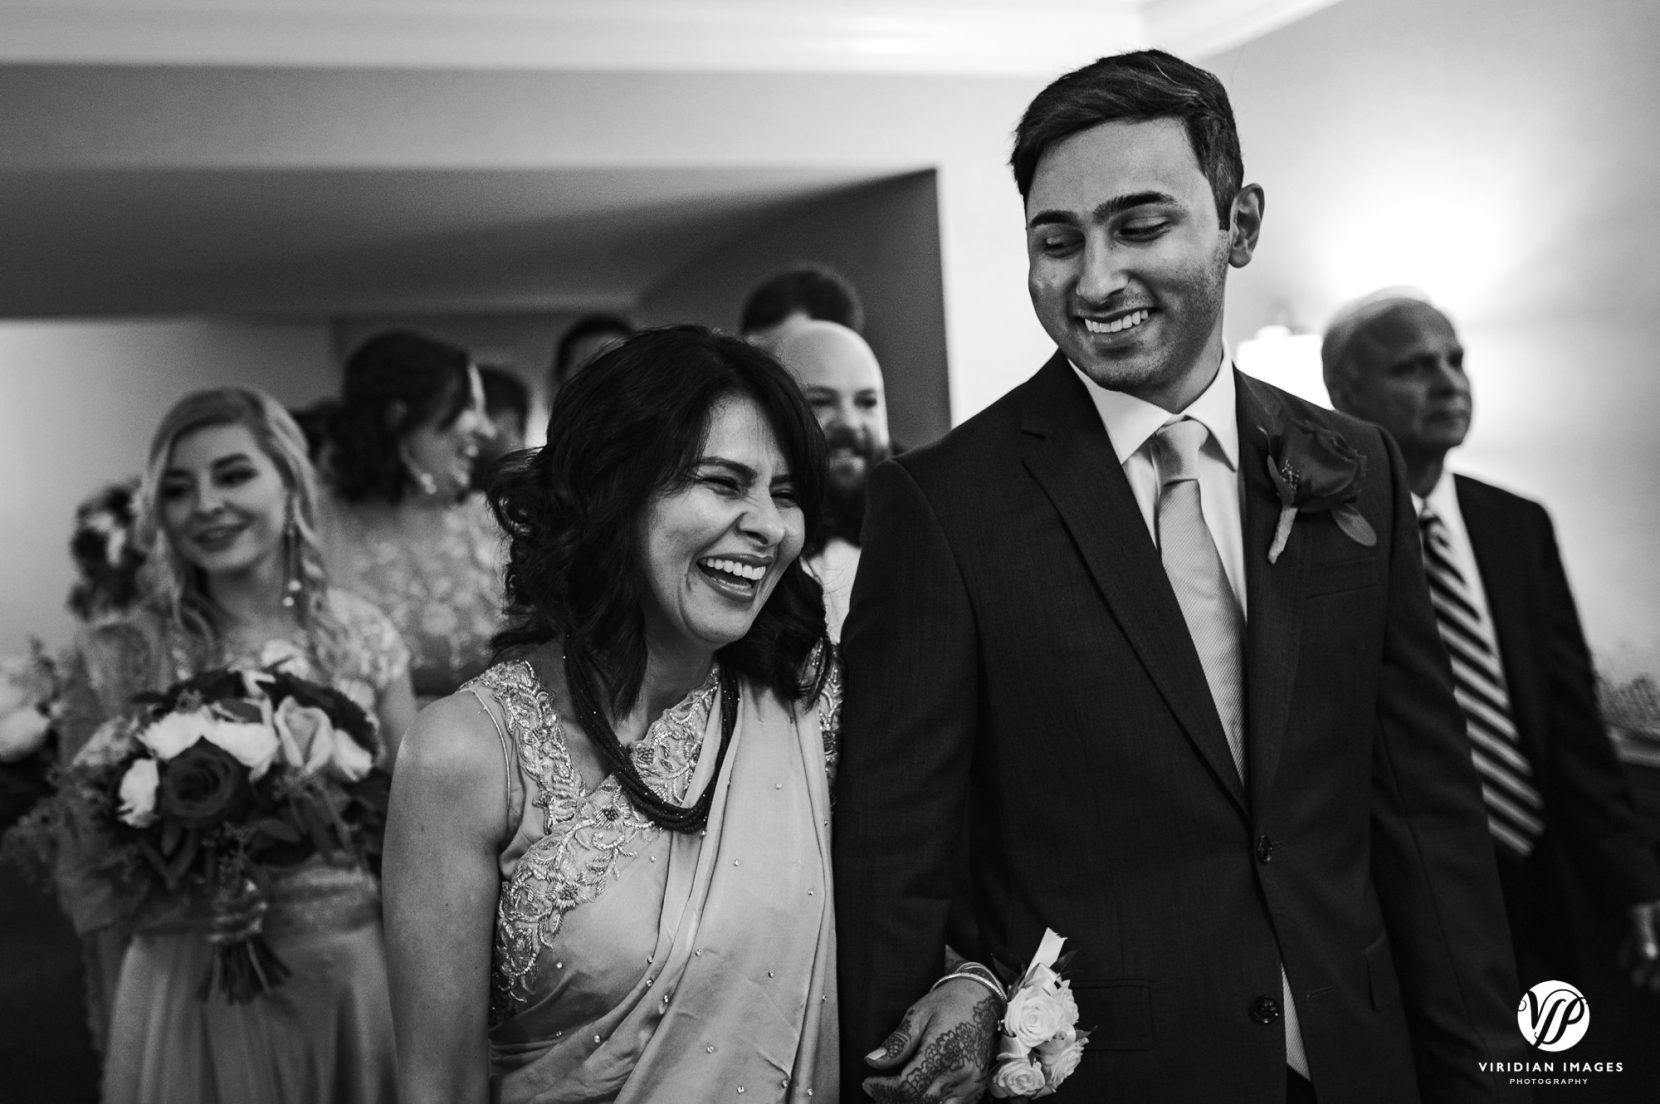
(424, 376)
(628, 428)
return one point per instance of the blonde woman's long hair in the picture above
(176, 588)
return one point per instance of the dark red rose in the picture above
(203, 786)
(1314, 468)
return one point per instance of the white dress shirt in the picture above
(1131, 423)
(835, 567)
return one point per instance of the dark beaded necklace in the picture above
(676, 818)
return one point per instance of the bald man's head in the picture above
(843, 384)
(1396, 360)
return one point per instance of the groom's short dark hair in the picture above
(1135, 88)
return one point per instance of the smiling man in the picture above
(843, 383)
(1143, 654)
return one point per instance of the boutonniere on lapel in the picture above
(1315, 470)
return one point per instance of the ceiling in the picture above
(108, 208)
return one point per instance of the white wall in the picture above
(1502, 155)
(78, 402)
(182, 118)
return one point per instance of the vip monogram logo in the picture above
(1553, 1015)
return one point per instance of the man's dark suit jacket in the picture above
(1592, 842)
(1017, 662)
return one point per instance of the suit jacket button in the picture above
(1265, 1010)
(1265, 849)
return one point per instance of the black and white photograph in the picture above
(914, 551)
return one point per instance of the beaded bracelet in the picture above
(980, 975)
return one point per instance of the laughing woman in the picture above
(233, 577)
(607, 863)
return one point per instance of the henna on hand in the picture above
(966, 1048)
(900, 1039)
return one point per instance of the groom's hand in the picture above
(941, 1051)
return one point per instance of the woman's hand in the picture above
(941, 1052)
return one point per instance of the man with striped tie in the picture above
(1558, 806)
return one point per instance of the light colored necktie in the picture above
(1197, 576)
(1211, 610)
(1514, 805)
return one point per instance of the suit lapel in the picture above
(1073, 460)
(1273, 627)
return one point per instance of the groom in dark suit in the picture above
(1143, 654)
(1560, 811)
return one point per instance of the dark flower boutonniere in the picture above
(1315, 470)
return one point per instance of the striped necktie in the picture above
(1514, 806)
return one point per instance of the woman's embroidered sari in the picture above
(636, 964)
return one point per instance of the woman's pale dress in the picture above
(637, 964)
(324, 1036)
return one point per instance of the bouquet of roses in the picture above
(220, 782)
(1038, 1044)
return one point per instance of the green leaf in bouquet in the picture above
(321, 831)
(172, 833)
(277, 829)
(239, 709)
(157, 862)
(180, 863)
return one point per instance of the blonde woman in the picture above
(234, 576)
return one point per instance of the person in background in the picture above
(607, 858)
(796, 294)
(234, 576)
(586, 338)
(1558, 805)
(400, 525)
(507, 404)
(843, 384)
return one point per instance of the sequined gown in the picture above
(435, 571)
(324, 1036)
(636, 964)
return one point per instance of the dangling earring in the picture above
(293, 588)
(425, 481)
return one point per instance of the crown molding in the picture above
(932, 37)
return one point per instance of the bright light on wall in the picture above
(1287, 360)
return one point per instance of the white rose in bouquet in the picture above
(1036, 1015)
(169, 735)
(351, 760)
(253, 745)
(306, 733)
(138, 793)
(22, 732)
(1016, 1077)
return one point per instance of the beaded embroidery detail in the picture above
(585, 836)
(830, 720)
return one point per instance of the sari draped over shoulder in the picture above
(634, 964)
